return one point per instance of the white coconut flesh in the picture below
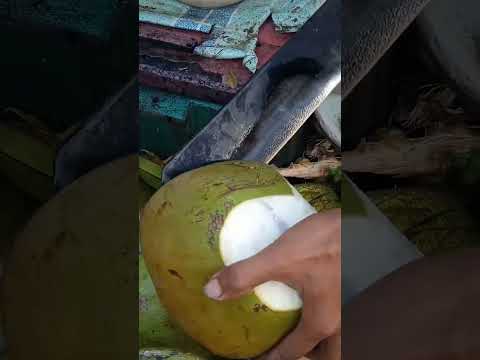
(253, 225)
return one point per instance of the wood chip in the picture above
(231, 80)
(400, 156)
(311, 170)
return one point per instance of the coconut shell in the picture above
(71, 280)
(155, 327)
(320, 196)
(433, 220)
(180, 233)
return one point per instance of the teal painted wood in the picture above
(175, 106)
(169, 121)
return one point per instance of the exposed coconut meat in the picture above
(253, 225)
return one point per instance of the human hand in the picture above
(307, 258)
(427, 309)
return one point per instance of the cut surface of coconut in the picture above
(253, 225)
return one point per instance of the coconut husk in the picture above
(311, 170)
(320, 149)
(432, 104)
(399, 156)
(319, 162)
(426, 131)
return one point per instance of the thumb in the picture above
(240, 278)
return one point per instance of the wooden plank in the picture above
(181, 38)
(186, 74)
(34, 183)
(189, 39)
(169, 121)
(167, 62)
(27, 139)
(155, 102)
(265, 53)
(36, 152)
(269, 36)
(181, 72)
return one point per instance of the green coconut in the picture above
(155, 327)
(431, 219)
(320, 196)
(70, 285)
(211, 217)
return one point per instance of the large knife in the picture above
(268, 111)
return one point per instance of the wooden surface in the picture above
(70, 288)
(167, 62)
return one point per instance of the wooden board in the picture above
(189, 39)
(27, 140)
(167, 62)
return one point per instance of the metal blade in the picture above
(372, 247)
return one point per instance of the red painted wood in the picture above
(189, 39)
(182, 72)
(182, 38)
(269, 36)
(265, 53)
(194, 86)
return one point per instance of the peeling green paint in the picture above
(168, 121)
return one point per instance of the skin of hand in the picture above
(426, 310)
(307, 258)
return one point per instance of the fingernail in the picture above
(213, 289)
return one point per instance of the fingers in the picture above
(321, 318)
(240, 278)
(281, 261)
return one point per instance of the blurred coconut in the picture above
(433, 220)
(320, 196)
